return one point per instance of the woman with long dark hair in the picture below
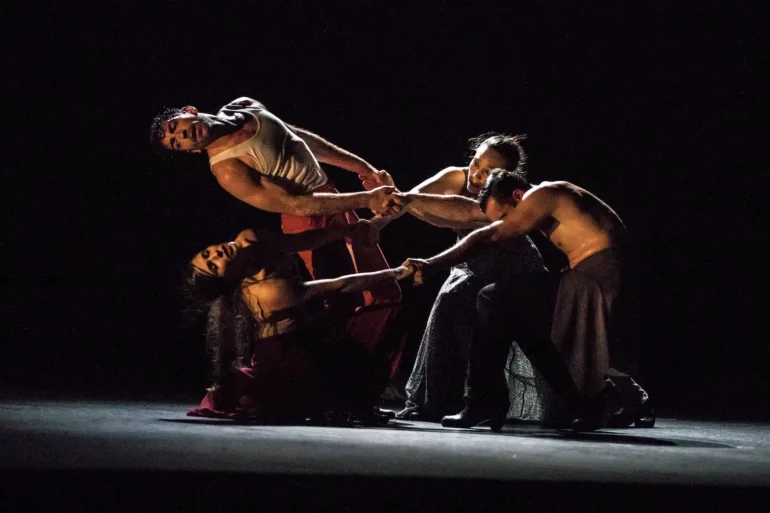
(280, 351)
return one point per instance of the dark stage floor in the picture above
(126, 447)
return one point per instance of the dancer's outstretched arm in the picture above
(352, 283)
(267, 194)
(329, 153)
(526, 217)
(449, 214)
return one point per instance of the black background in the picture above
(655, 109)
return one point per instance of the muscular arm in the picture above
(448, 182)
(328, 153)
(528, 214)
(450, 208)
(323, 150)
(245, 101)
(466, 248)
(265, 194)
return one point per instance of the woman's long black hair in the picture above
(230, 326)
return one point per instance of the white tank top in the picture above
(274, 149)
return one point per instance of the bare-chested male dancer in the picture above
(573, 327)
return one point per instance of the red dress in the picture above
(377, 307)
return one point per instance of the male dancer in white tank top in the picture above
(274, 166)
(264, 162)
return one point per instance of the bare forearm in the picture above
(329, 153)
(464, 250)
(363, 281)
(383, 220)
(450, 208)
(327, 203)
(351, 283)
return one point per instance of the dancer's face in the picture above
(485, 160)
(186, 132)
(215, 260)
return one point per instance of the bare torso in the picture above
(581, 224)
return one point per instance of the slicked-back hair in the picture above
(501, 184)
(509, 146)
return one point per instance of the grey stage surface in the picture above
(39, 437)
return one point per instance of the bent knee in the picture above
(488, 296)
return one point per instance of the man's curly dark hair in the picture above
(156, 130)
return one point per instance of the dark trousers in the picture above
(519, 309)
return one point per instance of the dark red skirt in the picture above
(377, 307)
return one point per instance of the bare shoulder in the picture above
(248, 233)
(546, 190)
(282, 286)
(453, 173)
(231, 167)
(566, 193)
(570, 189)
(275, 293)
(236, 177)
(227, 168)
(283, 292)
(557, 188)
(233, 112)
(450, 180)
(245, 101)
(555, 185)
(251, 236)
(453, 178)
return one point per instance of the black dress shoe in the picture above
(474, 414)
(388, 414)
(339, 418)
(641, 416)
(595, 413)
(634, 407)
(375, 417)
(591, 421)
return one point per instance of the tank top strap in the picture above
(240, 148)
(227, 154)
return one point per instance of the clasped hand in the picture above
(415, 268)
